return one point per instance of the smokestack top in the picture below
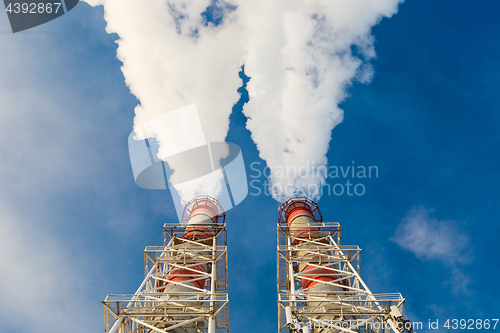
(206, 205)
(299, 206)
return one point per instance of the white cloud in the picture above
(45, 276)
(41, 285)
(430, 238)
(459, 281)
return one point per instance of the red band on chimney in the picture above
(183, 271)
(323, 275)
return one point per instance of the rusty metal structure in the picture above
(185, 284)
(320, 289)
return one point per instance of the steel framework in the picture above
(194, 306)
(351, 307)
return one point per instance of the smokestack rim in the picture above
(292, 205)
(206, 205)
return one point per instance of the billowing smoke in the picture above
(301, 56)
(174, 55)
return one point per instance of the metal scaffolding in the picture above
(341, 303)
(185, 285)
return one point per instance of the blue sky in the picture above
(74, 223)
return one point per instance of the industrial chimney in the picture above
(185, 285)
(319, 286)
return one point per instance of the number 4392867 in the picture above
(33, 8)
(471, 324)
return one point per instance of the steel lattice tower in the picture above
(320, 289)
(185, 284)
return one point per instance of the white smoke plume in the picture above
(172, 58)
(300, 62)
(298, 53)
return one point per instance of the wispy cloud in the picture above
(45, 273)
(430, 238)
(40, 284)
